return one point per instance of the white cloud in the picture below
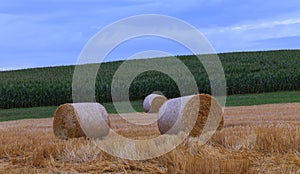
(267, 24)
(244, 36)
(56, 29)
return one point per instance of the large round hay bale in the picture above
(192, 114)
(81, 120)
(153, 102)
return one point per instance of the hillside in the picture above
(246, 72)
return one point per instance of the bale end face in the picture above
(66, 124)
(153, 103)
(210, 116)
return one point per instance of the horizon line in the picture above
(117, 60)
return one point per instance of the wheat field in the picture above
(255, 139)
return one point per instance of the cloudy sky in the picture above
(36, 33)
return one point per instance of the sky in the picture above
(38, 33)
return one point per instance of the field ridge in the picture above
(246, 73)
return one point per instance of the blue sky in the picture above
(37, 33)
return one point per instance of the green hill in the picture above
(246, 72)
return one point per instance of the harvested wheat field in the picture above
(255, 139)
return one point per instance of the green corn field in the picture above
(246, 72)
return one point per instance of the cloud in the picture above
(247, 36)
(49, 32)
(268, 24)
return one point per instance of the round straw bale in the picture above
(153, 102)
(80, 120)
(190, 113)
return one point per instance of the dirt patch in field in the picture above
(262, 114)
